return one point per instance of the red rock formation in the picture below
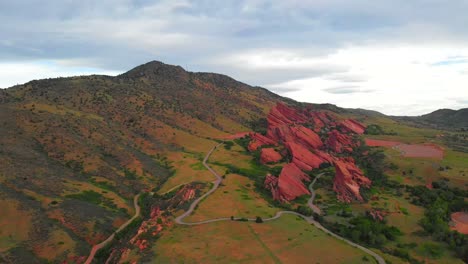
(282, 114)
(268, 155)
(287, 126)
(378, 215)
(289, 184)
(348, 179)
(320, 119)
(271, 183)
(295, 133)
(303, 158)
(339, 142)
(353, 126)
(259, 140)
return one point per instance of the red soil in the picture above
(421, 151)
(460, 220)
(268, 155)
(381, 143)
(410, 151)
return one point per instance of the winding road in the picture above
(309, 219)
(104, 243)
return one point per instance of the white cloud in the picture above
(396, 80)
(22, 72)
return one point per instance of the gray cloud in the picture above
(346, 89)
(203, 35)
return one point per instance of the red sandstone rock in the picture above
(259, 140)
(287, 126)
(353, 126)
(339, 142)
(348, 179)
(378, 215)
(295, 133)
(303, 158)
(289, 184)
(320, 119)
(282, 114)
(268, 155)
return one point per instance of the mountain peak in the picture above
(155, 69)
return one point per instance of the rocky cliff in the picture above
(299, 130)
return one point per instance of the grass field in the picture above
(188, 168)
(286, 240)
(235, 197)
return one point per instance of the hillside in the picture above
(442, 119)
(195, 162)
(75, 150)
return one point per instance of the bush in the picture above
(258, 220)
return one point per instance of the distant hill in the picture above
(441, 119)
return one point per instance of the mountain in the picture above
(442, 119)
(74, 151)
(78, 154)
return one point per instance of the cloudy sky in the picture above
(398, 57)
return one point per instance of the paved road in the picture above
(180, 219)
(97, 247)
(309, 219)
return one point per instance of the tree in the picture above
(258, 220)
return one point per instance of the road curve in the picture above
(97, 247)
(309, 219)
(180, 219)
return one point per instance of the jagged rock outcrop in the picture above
(269, 155)
(281, 114)
(339, 142)
(303, 158)
(298, 130)
(289, 184)
(353, 126)
(348, 180)
(259, 140)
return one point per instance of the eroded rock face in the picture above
(348, 179)
(303, 158)
(339, 142)
(289, 184)
(298, 131)
(282, 114)
(259, 140)
(269, 155)
(353, 126)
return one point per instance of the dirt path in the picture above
(309, 219)
(97, 247)
(180, 219)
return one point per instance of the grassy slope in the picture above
(114, 136)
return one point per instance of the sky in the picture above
(398, 57)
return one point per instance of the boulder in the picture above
(348, 179)
(269, 155)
